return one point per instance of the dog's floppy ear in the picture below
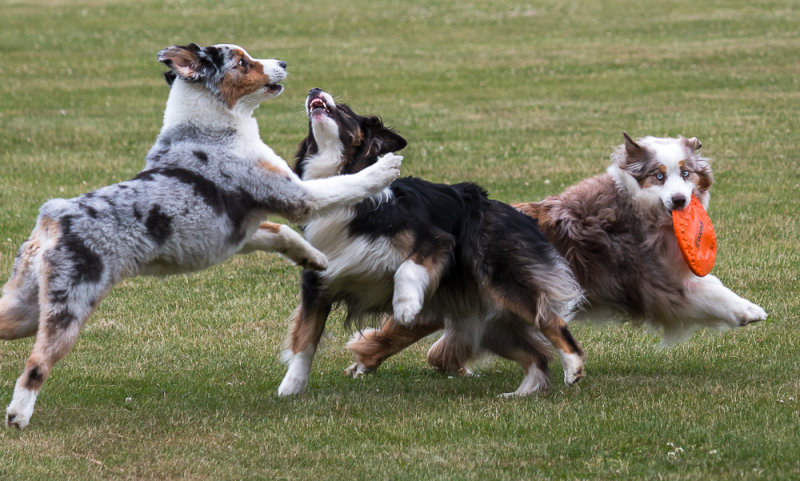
(383, 139)
(184, 61)
(693, 143)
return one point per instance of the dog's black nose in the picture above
(678, 201)
(315, 90)
(282, 64)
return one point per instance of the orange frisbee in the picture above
(696, 237)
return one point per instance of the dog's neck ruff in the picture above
(192, 103)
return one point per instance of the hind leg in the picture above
(451, 353)
(62, 312)
(569, 350)
(533, 311)
(282, 239)
(513, 339)
(373, 346)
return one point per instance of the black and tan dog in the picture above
(426, 251)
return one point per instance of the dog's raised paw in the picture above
(406, 310)
(315, 260)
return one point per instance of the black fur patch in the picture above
(58, 296)
(201, 155)
(158, 225)
(216, 56)
(35, 379)
(60, 320)
(236, 205)
(570, 340)
(88, 267)
(91, 211)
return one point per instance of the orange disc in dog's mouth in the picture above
(696, 237)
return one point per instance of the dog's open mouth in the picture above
(318, 106)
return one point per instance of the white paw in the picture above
(20, 410)
(751, 313)
(291, 386)
(385, 170)
(573, 368)
(535, 381)
(406, 309)
(357, 370)
(314, 260)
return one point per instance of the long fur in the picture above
(422, 250)
(615, 230)
(208, 184)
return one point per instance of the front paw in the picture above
(385, 170)
(751, 313)
(292, 386)
(406, 310)
(16, 420)
(314, 260)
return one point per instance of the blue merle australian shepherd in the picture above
(420, 250)
(208, 185)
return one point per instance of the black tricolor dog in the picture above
(429, 254)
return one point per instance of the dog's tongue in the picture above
(696, 237)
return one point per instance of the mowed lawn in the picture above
(176, 378)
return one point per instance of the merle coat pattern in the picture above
(207, 186)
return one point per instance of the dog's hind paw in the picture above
(357, 370)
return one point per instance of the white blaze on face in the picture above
(670, 155)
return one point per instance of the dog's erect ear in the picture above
(693, 144)
(633, 149)
(184, 61)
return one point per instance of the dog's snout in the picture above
(282, 64)
(678, 201)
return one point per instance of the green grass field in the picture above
(176, 378)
